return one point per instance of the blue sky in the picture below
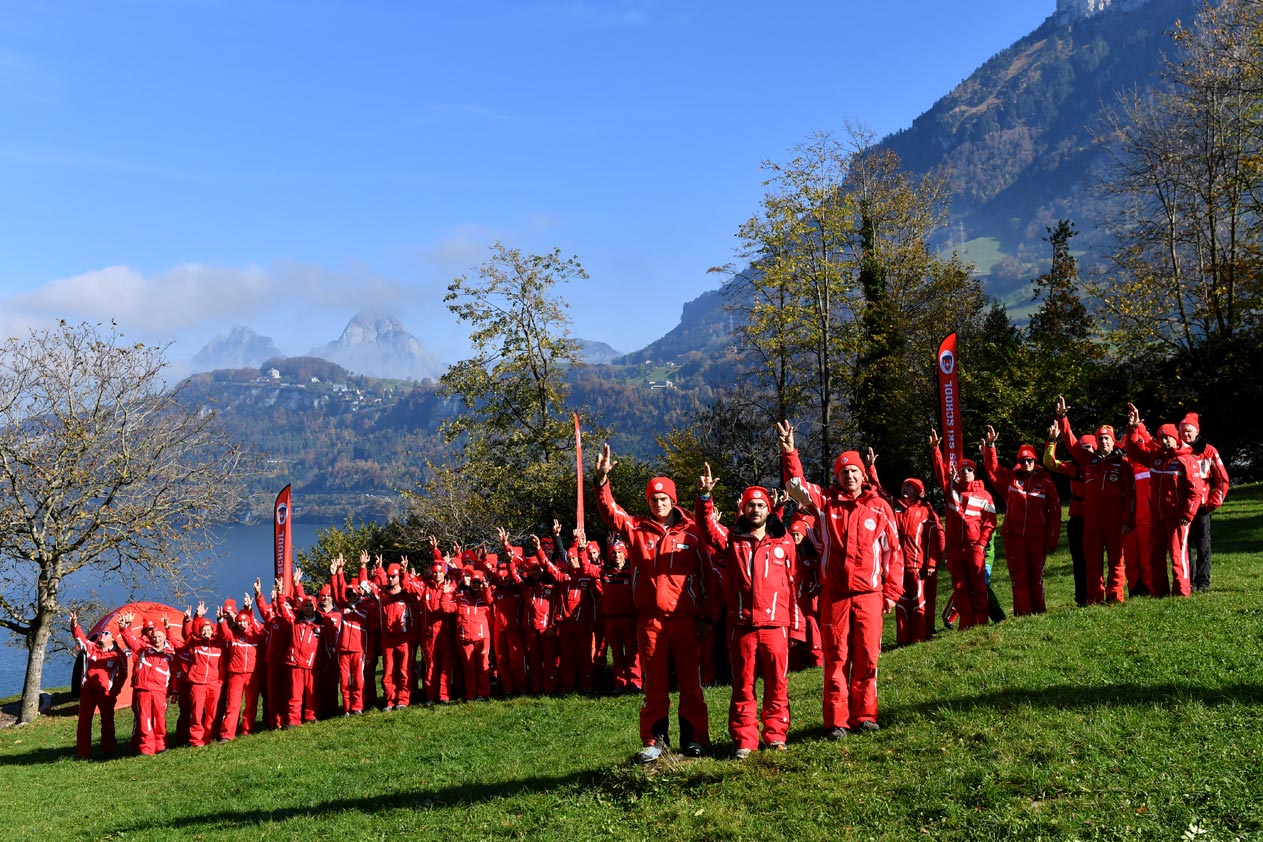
(183, 166)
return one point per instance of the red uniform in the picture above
(618, 619)
(241, 687)
(437, 605)
(204, 663)
(1137, 550)
(399, 616)
(300, 661)
(758, 576)
(508, 637)
(276, 677)
(970, 521)
(473, 609)
(921, 542)
(574, 611)
(539, 592)
(351, 644)
(151, 681)
(861, 566)
(670, 576)
(1070, 469)
(1176, 496)
(1032, 526)
(1109, 511)
(104, 671)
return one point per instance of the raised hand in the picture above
(991, 437)
(1053, 431)
(605, 463)
(870, 458)
(1060, 408)
(935, 441)
(785, 433)
(706, 482)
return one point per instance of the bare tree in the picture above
(103, 471)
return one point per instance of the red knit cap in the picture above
(1191, 420)
(1169, 430)
(661, 485)
(850, 457)
(755, 492)
(1105, 430)
(920, 486)
(1026, 452)
(1088, 440)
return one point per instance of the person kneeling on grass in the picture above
(757, 558)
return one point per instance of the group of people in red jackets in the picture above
(538, 617)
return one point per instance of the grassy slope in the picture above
(1139, 721)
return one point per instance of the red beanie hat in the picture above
(245, 618)
(1169, 430)
(326, 590)
(850, 457)
(1026, 452)
(970, 464)
(920, 486)
(661, 485)
(230, 605)
(1192, 420)
(394, 570)
(755, 492)
(1105, 430)
(1087, 440)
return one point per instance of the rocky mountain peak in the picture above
(241, 348)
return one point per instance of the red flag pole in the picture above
(949, 402)
(578, 461)
(283, 543)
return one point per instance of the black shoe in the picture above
(867, 725)
(694, 750)
(837, 734)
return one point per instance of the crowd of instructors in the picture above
(674, 591)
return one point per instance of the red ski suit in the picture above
(104, 671)
(1109, 512)
(1032, 527)
(276, 677)
(618, 619)
(508, 637)
(758, 576)
(671, 580)
(437, 604)
(1175, 493)
(241, 688)
(398, 616)
(300, 663)
(861, 566)
(151, 681)
(970, 521)
(574, 611)
(539, 592)
(204, 665)
(474, 608)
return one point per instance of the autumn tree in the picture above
(105, 474)
(514, 460)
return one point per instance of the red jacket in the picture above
(1031, 505)
(1067, 468)
(304, 637)
(539, 593)
(1213, 474)
(153, 665)
(103, 669)
(576, 597)
(203, 661)
(671, 572)
(970, 509)
(509, 597)
(473, 615)
(243, 647)
(615, 588)
(920, 530)
(758, 573)
(860, 550)
(1109, 482)
(1174, 482)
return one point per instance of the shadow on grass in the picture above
(1068, 697)
(418, 801)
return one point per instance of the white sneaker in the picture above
(648, 754)
(742, 753)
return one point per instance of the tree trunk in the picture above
(37, 649)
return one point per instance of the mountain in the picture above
(595, 352)
(381, 347)
(1017, 136)
(241, 348)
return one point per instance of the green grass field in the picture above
(1139, 721)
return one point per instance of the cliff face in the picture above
(1069, 11)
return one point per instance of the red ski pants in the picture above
(664, 641)
(1025, 556)
(755, 653)
(91, 700)
(620, 637)
(852, 642)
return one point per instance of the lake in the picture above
(242, 554)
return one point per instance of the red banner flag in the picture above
(283, 545)
(578, 461)
(949, 403)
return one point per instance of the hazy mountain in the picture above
(241, 348)
(1017, 136)
(380, 346)
(595, 352)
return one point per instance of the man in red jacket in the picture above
(574, 611)
(204, 663)
(1214, 482)
(104, 670)
(1174, 484)
(618, 619)
(508, 635)
(969, 524)
(304, 647)
(1032, 521)
(672, 574)
(757, 560)
(861, 574)
(244, 636)
(151, 681)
